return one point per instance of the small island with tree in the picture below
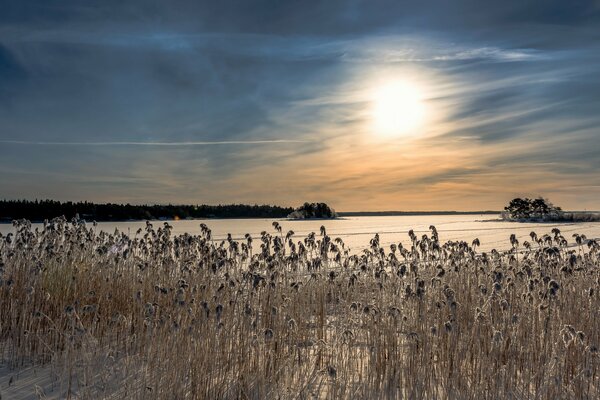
(313, 211)
(542, 210)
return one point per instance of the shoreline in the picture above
(342, 215)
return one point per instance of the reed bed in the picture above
(156, 316)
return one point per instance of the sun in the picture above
(398, 109)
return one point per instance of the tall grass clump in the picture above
(157, 316)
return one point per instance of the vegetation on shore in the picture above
(313, 211)
(154, 316)
(40, 210)
(542, 210)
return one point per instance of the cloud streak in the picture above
(157, 144)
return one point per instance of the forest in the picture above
(39, 210)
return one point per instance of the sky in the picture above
(276, 102)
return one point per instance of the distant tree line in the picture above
(40, 210)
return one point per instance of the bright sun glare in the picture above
(398, 109)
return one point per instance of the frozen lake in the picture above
(357, 231)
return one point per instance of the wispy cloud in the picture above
(158, 144)
(355, 49)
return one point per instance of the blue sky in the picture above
(269, 102)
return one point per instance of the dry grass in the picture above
(155, 316)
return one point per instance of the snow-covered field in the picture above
(86, 314)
